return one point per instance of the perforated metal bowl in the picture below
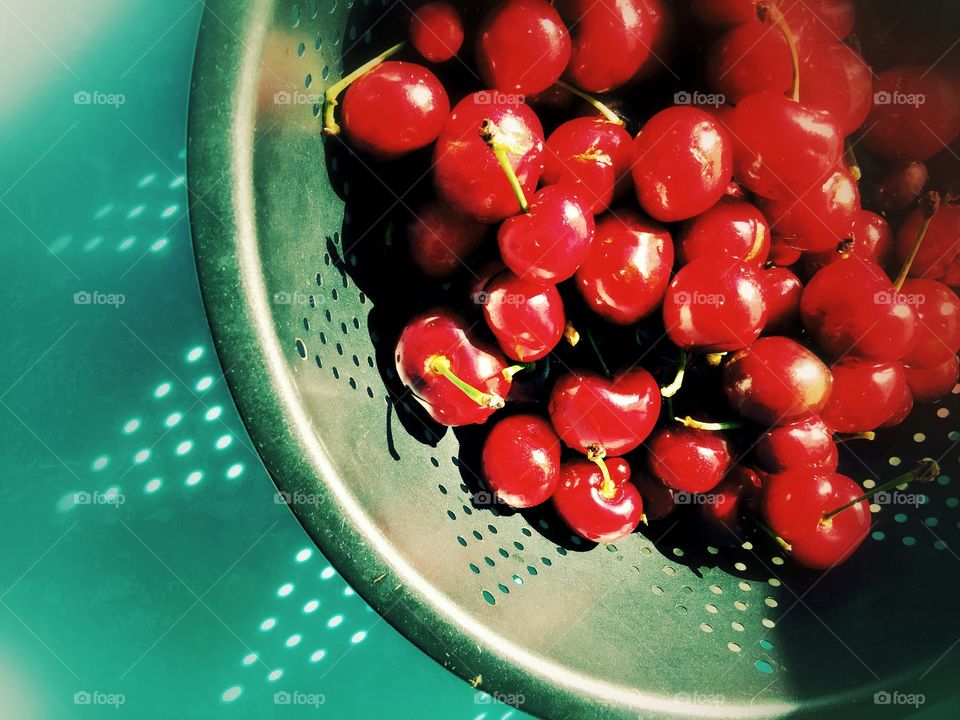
(293, 249)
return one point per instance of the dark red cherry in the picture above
(939, 254)
(626, 273)
(409, 95)
(436, 31)
(722, 510)
(782, 291)
(750, 58)
(689, 459)
(599, 509)
(522, 46)
(454, 377)
(658, 499)
(938, 322)
(730, 229)
(594, 415)
(865, 394)
(782, 254)
(521, 461)
(527, 320)
(915, 115)
(683, 162)
(714, 306)
(441, 240)
(467, 175)
(782, 147)
(835, 78)
(904, 407)
(804, 443)
(850, 306)
(933, 383)
(817, 21)
(900, 186)
(870, 238)
(724, 13)
(776, 380)
(794, 504)
(546, 244)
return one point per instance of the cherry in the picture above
(408, 94)
(939, 255)
(658, 500)
(599, 417)
(521, 460)
(731, 228)
(782, 147)
(467, 175)
(819, 218)
(804, 443)
(904, 407)
(817, 21)
(933, 383)
(527, 320)
(782, 254)
(724, 13)
(689, 459)
(714, 306)
(865, 394)
(683, 163)
(722, 510)
(436, 31)
(938, 322)
(625, 275)
(782, 291)
(850, 306)
(916, 113)
(456, 379)
(870, 238)
(522, 46)
(794, 504)
(776, 380)
(600, 508)
(440, 239)
(900, 186)
(836, 79)
(750, 58)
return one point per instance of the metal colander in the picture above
(305, 290)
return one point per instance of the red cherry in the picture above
(818, 21)
(599, 511)
(782, 147)
(547, 244)
(522, 46)
(904, 407)
(723, 508)
(684, 162)
(467, 174)
(835, 78)
(781, 253)
(658, 499)
(776, 380)
(456, 379)
(915, 115)
(938, 322)
(521, 461)
(750, 58)
(626, 273)
(724, 13)
(939, 254)
(527, 320)
(793, 505)
(850, 306)
(730, 229)
(689, 459)
(594, 415)
(714, 306)
(900, 186)
(409, 95)
(805, 443)
(436, 31)
(933, 383)
(870, 238)
(865, 394)
(440, 240)
(782, 291)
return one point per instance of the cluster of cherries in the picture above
(735, 230)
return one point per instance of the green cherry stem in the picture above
(868, 435)
(703, 425)
(509, 372)
(787, 547)
(928, 206)
(601, 108)
(925, 471)
(488, 132)
(596, 351)
(668, 391)
(330, 125)
(440, 364)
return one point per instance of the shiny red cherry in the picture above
(750, 58)
(782, 291)
(817, 21)
(714, 306)
(939, 254)
(456, 379)
(850, 306)
(900, 186)
(683, 163)
(546, 244)
(904, 407)
(776, 380)
(794, 504)
(409, 94)
(521, 461)
(594, 507)
(522, 46)
(527, 320)
(804, 443)
(730, 229)
(933, 383)
(467, 175)
(938, 322)
(870, 238)
(782, 254)
(594, 415)
(626, 273)
(835, 78)
(782, 147)
(689, 459)
(441, 240)
(865, 394)
(436, 31)
(721, 511)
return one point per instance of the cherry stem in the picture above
(925, 471)
(758, 238)
(488, 132)
(928, 206)
(330, 125)
(852, 163)
(509, 372)
(601, 108)
(781, 22)
(787, 547)
(868, 435)
(596, 454)
(715, 359)
(668, 391)
(703, 425)
(571, 335)
(596, 351)
(440, 364)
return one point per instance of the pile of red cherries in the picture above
(732, 233)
